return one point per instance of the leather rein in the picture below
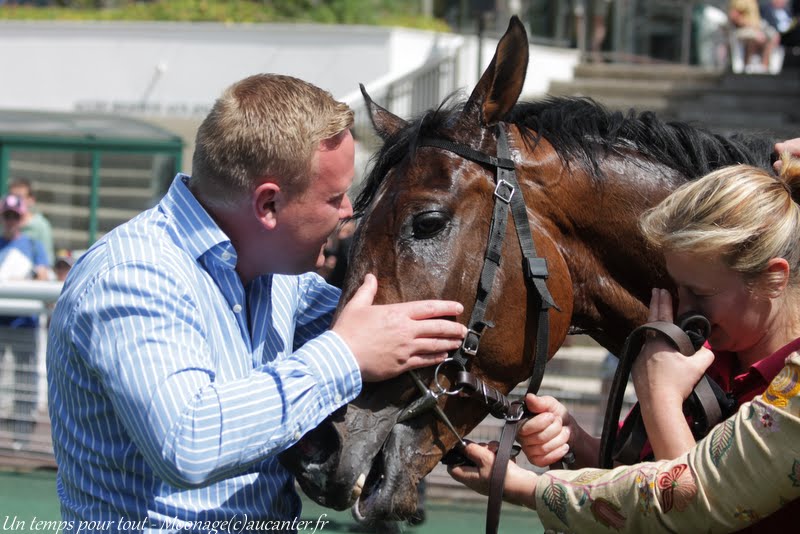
(507, 197)
(707, 405)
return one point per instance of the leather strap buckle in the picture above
(504, 191)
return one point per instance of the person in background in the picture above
(597, 12)
(778, 14)
(21, 258)
(194, 343)
(759, 38)
(34, 224)
(747, 282)
(64, 262)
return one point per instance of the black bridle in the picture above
(507, 197)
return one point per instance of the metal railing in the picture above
(24, 424)
(405, 95)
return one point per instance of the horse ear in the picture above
(501, 83)
(385, 122)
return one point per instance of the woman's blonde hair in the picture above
(742, 214)
(264, 125)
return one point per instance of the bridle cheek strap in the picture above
(507, 197)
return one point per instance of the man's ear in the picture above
(265, 203)
(776, 277)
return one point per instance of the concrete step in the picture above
(657, 104)
(628, 71)
(110, 197)
(72, 239)
(625, 88)
(733, 118)
(721, 102)
(786, 83)
(71, 223)
(755, 103)
(43, 172)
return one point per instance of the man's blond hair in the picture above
(266, 125)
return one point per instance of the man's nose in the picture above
(346, 210)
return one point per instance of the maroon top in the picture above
(744, 387)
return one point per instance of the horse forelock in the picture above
(402, 144)
(583, 132)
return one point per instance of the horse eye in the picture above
(428, 224)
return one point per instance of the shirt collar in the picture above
(199, 232)
(770, 366)
(722, 368)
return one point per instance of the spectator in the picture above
(34, 224)
(64, 262)
(777, 14)
(21, 258)
(597, 12)
(192, 344)
(783, 18)
(337, 254)
(758, 37)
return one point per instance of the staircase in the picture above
(720, 101)
(62, 189)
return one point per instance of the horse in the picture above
(585, 174)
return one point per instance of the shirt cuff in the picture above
(335, 368)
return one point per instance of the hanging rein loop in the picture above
(708, 404)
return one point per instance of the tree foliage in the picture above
(368, 12)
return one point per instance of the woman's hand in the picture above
(660, 372)
(663, 378)
(545, 438)
(520, 484)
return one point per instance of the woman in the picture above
(731, 244)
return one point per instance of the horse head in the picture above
(426, 215)
(423, 233)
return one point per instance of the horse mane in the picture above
(582, 131)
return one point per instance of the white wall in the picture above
(178, 69)
(171, 73)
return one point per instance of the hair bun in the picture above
(790, 175)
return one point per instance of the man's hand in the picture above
(388, 340)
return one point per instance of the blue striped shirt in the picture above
(172, 386)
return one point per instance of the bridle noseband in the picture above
(507, 196)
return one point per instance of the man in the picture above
(34, 224)
(21, 258)
(188, 348)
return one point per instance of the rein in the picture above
(707, 404)
(507, 197)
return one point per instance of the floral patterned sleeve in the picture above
(744, 470)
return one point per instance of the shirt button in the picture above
(337, 398)
(237, 308)
(226, 255)
(297, 435)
